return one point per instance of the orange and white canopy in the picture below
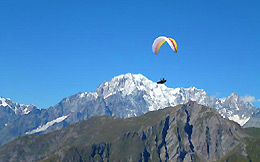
(158, 42)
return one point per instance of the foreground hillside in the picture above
(188, 132)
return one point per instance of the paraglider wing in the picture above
(158, 42)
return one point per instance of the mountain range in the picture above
(124, 96)
(187, 132)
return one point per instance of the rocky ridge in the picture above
(188, 132)
(123, 96)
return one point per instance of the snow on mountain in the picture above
(132, 95)
(18, 109)
(237, 119)
(123, 96)
(156, 96)
(47, 125)
(2, 102)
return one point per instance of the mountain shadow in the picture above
(187, 132)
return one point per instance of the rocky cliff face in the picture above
(133, 95)
(141, 95)
(254, 119)
(123, 96)
(188, 132)
(14, 107)
(11, 113)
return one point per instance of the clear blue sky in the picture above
(52, 49)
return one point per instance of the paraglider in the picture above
(162, 81)
(158, 42)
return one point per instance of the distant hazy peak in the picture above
(3, 102)
(19, 109)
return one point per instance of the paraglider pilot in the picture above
(162, 81)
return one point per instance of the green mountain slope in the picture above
(188, 132)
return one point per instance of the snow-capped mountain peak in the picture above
(133, 95)
(155, 96)
(124, 84)
(18, 109)
(3, 102)
(234, 96)
(123, 96)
